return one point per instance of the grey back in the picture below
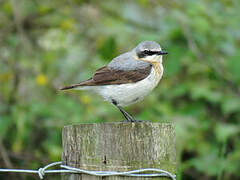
(126, 62)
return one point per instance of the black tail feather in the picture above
(69, 87)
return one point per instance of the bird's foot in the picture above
(133, 121)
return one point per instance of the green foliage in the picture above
(108, 50)
(45, 45)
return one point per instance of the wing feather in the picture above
(108, 76)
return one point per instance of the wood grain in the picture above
(118, 147)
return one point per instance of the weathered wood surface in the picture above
(118, 147)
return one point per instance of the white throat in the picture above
(153, 58)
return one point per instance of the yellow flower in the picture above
(67, 24)
(5, 77)
(41, 80)
(85, 99)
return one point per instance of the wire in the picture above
(67, 169)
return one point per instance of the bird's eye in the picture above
(146, 53)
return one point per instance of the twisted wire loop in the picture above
(67, 169)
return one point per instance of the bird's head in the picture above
(149, 51)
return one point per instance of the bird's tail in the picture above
(70, 87)
(80, 86)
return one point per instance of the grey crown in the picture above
(127, 60)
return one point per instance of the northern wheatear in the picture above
(128, 78)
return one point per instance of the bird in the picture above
(128, 78)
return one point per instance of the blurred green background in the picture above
(45, 45)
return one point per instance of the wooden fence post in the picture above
(118, 147)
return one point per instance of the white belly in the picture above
(126, 94)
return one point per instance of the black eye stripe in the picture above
(150, 52)
(147, 53)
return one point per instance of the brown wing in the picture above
(107, 76)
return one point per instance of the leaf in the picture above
(234, 67)
(224, 131)
(209, 164)
(5, 123)
(231, 104)
(108, 49)
(205, 92)
(172, 62)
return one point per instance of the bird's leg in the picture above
(128, 117)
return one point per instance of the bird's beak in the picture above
(162, 52)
